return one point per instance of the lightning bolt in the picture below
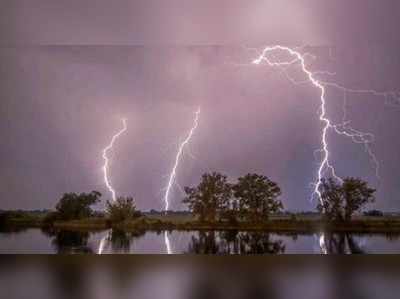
(343, 129)
(298, 58)
(172, 176)
(107, 161)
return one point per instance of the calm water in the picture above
(107, 242)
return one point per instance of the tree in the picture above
(332, 199)
(210, 197)
(341, 201)
(121, 210)
(257, 196)
(356, 195)
(76, 206)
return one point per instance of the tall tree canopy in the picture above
(76, 206)
(210, 197)
(342, 200)
(257, 196)
(122, 209)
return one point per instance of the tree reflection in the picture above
(342, 244)
(121, 241)
(69, 242)
(260, 243)
(205, 243)
(234, 242)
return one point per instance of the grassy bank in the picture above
(284, 226)
(84, 224)
(291, 224)
(19, 219)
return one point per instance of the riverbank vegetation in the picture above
(252, 203)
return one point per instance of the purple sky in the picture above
(70, 71)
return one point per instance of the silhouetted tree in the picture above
(121, 210)
(331, 196)
(257, 196)
(76, 206)
(341, 201)
(210, 197)
(356, 195)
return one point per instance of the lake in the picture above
(31, 241)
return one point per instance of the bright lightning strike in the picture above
(107, 161)
(323, 117)
(342, 129)
(179, 154)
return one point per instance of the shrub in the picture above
(74, 206)
(121, 210)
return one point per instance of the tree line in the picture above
(73, 206)
(204, 242)
(252, 198)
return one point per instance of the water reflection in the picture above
(342, 244)
(167, 242)
(234, 242)
(119, 241)
(193, 242)
(69, 242)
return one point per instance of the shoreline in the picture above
(280, 225)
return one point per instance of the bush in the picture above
(74, 206)
(123, 209)
(50, 218)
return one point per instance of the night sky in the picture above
(70, 71)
